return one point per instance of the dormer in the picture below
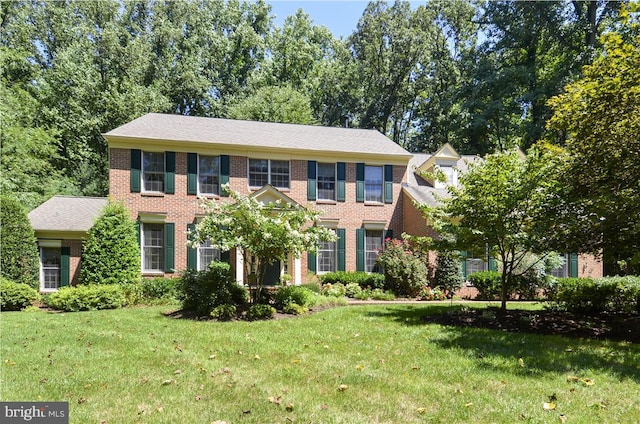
(445, 161)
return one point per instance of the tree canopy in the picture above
(598, 118)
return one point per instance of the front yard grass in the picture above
(364, 364)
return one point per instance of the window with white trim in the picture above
(373, 183)
(373, 242)
(327, 256)
(50, 268)
(450, 174)
(266, 171)
(152, 238)
(326, 181)
(153, 171)
(206, 255)
(475, 265)
(208, 175)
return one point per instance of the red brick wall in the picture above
(589, 266)
(181, 208)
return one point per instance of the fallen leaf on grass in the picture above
(289, 407)
(168, 382)
(342, 387)
(562, 418)
(275, 399)
(549, 406)
(296, 361)
(256, 357)
(588, 382)
(521, 362)
(421, 410)
(468, 404)
(177, 372)
(359, 367)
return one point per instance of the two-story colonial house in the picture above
(160, 165)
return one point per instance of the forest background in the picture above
(475, 74)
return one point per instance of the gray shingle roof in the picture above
(67, 213)
(257, 134)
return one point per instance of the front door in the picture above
(272, 274)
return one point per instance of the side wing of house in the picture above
(61, 224)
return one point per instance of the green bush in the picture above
(314, 287)
(586, 295)
(405, 268)
(488, 283)
(295, 309)
(132, 294)
(86, 298)
(224, 312)
(202, 291)
(352, 290)
(111, 254)
(363, 279)
(16, 296)
(260, 311)
(160, 289)
(375, 294)
(335, 290)
(292, 294)
(19, 257)
(448, 275)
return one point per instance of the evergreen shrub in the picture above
(448, 275)
(202, 291)
(87, 298)
(111, 254)
(19, 257)
(16, 296)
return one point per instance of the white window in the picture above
(563, 270)
(475, 265)
(206, 255)
(373, 182)
(50, 268)
(450, 174)
(327, 256)
(372, 246)
(326, 181)
(152, 238)
(264, 171)
(153, 171)
(209, 175)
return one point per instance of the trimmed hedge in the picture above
(16, 296)
(587, 295)
(488, 283)
(363, 279)
(87, 298)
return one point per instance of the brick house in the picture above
(159, 165)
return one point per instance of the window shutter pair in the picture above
(169, 244)
(342, 260)
(387, 184)
(463, 263)
(135, 180)
(192, 173)
(312, 180)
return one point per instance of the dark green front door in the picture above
(272, 274)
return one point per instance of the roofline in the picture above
(61, 234)
(186, 146)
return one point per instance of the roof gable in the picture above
(269, 194)
(67, 214)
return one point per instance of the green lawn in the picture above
(364, 364)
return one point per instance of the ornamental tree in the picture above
(111, 254)
(500, 204)
(263, 232)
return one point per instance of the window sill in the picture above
(374, 204)
(326, 202)
(208, 196)
(152, 194)
(152, 273)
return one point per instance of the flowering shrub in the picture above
(336, 290)
(427, 293)
(405, 268)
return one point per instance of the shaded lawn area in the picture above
(364, 364)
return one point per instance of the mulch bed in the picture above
(619, 327)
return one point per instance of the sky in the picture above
(341, 17)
